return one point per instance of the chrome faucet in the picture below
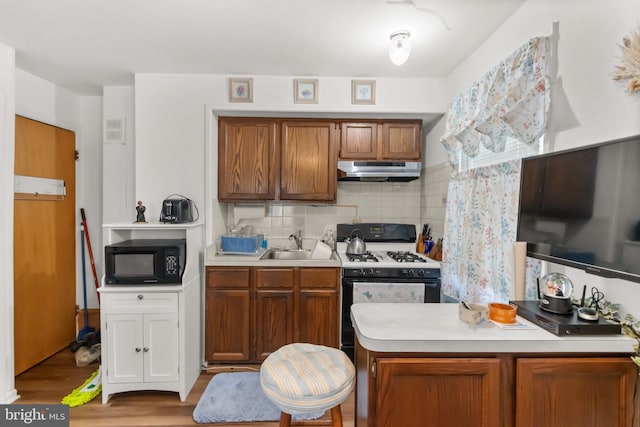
(298, 238)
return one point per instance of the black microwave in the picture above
(145, 261)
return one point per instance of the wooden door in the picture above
(44, 246)
(438, 392)
(309, 160)
(589, 392)
(247, 159)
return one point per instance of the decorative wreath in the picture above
(628, 72)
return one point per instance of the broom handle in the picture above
(84, 282)
(93, 264)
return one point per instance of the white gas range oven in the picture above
(389, 271)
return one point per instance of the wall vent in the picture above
(113, 131)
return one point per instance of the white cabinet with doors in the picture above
(142, 330)
(151, 334)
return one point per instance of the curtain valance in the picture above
(509, 101)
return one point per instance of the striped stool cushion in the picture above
(303, 378)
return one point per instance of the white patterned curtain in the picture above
(479, 231)
(510, 100)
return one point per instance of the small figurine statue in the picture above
(140, 212)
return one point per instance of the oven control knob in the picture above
(420, 272)
(371, 272)
(362, 272)
(411, 272)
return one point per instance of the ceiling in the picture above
(83, 45)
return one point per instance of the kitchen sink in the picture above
(287, 254)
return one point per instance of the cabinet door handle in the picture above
(140, 296)
(146, 349)
(138, 349)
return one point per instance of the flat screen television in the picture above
(581, 208)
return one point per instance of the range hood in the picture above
(376, 171)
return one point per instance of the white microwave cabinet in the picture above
(150, 339)
(151, 334)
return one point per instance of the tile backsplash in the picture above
(413, 202)
(434, 196)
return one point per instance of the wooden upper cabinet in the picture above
(401, 141)
(308, 161)
(358, 140)
(247, 159)
(381, 140)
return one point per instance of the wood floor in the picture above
(57, 376)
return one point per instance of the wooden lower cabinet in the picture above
(318, 306)
(227, 314)
(416, 392)
(273, 308)
(253, 311)
(227, 324)
(505, 390)
(585, 392)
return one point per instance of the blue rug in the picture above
(232, 397)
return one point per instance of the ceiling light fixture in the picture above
(400, 47)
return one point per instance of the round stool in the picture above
(305, 378)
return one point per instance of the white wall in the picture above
(586, 105)
(7, 137)
(175, 114)
(89, 180)
(118, 160)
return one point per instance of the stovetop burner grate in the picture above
(365, 257)
(405, 256)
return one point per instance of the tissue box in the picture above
(241, 244)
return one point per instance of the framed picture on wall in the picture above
(305, 91)
(363, 91)
(240, 90)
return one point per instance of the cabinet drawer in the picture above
(274, 277)
(221, 278)
(319, 278)
(141, 302)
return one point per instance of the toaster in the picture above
(177, 211)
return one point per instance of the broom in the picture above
(87, 329)
(86, 392)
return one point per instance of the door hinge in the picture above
(373, 369)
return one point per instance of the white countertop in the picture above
(435, 328)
